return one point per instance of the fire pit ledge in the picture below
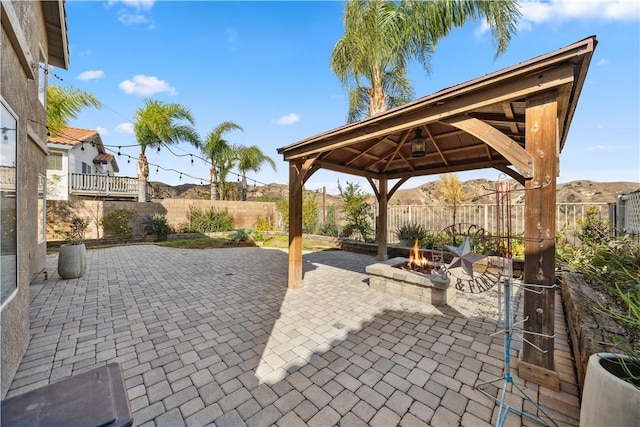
(427, 288)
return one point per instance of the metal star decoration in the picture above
(464, 257)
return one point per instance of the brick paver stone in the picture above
(201, 340)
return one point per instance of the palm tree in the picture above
(156, 125)
(251, 159)
(217, 150)
(65, 104)
(382, 36)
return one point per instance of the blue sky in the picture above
(265, 66)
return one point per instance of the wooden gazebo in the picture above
(515, 120)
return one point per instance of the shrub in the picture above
(75, 233)
(209, 221)
(330, 226)
(118, 222)
(244, 234)
(157, 225)
(412, 232)
(265, 223)
(612, 266)
(357, 211)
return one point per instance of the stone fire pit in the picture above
(384, 276)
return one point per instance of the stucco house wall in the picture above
(25, 39)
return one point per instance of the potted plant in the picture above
(72, 258)
(409, 233)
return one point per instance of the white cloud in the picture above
(557, 11)
(136, 4)
(102, 131)
(124, 128)
(602, 62)
(90, 75)
(288, 119)
(146, 86)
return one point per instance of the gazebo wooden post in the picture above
(540, 230)
(383, 199)
(295, 225)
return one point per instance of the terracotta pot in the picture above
(608, 400)
(72, 261)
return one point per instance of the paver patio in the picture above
(215, 337)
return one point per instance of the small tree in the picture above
(357, 211)
(330, 226)
(310, 211)
(453, 192)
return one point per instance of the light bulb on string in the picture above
(180, 178)
(158, 149)
(129, 159)
(119, 151)
(82, 146)
(157, 169)
(191, 159)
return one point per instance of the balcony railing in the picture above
(104, 186)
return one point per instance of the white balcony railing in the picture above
(103, 185)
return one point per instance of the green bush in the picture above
(330, 225)
(357, 211)
(265, 223)
(612, 266)
(157, 225)
(244, 234)
(118, 222)
(209, 221)
(412, 232)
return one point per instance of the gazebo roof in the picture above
(474, 125)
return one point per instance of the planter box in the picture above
(588, 329)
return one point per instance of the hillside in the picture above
(480, 191)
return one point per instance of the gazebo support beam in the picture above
(299, 171)
(383, 200)
(497, 140)
(537, 364)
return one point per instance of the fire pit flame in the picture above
(417, 262)
(416, 258)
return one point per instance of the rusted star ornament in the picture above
(464, 257)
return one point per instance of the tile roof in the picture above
(73, 136)
(103, 158)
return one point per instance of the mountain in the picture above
(480, 191)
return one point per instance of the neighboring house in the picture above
(34, 36)
(80, 168)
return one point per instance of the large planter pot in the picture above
(407, 243)
(608, 400)
(72, 261)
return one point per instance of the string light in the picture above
(119, 153)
